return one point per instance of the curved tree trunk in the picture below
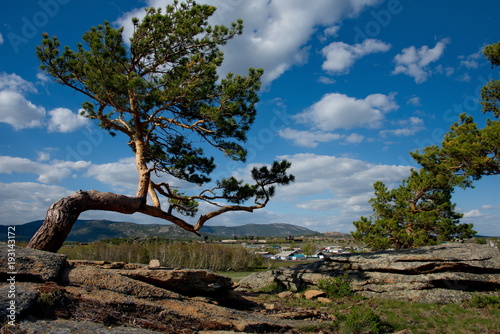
(63, 214)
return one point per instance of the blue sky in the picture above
(350, 88)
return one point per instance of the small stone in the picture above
(269, 306)
(153, 264)
(325, 300)
(284, 294)
(311, 294)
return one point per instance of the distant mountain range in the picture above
(94, 230)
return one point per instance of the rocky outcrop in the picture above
(103, 297)
(189, 282)
(25, 297)
(31, 266)
(67, 326)
(443, 273)
(62, 296)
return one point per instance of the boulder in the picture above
(285, 294)
(311, 294)
(97, 278)
(31, 264)
(154, 264)
(189, 282)
(24, 298)
(259, 281)
(442, 273)
(68, 326)
(113, 297)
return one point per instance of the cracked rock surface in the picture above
(58, 296)
(443, 273)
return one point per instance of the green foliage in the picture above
(484, 301)
(183, 204)
(480, 241)
(490, 93)
(360, 320)
(49, 300)
(417, 213)
(162, 91)
(166, 79)
(420, 211)
(310, 249)
(468, 150)
(265, 178)
(335, 287)
(354, 315)
(272, 288)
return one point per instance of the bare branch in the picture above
(203, 219)
(158, 213)
(154, 195)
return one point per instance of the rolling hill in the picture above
(93, 230)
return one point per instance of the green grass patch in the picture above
(360, 319)
(339, 286)
(483, 301)
(354, 314)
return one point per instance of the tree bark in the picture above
(63, 214)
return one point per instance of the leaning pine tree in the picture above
(161, 90)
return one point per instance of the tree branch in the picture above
(203, 219)
(158, 213)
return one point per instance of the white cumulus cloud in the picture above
(22, 202)
(51, 173)
(307, 138)
(13, 82)
(19, 112)
(407, 127)
(339, 111)
(338, 187)
(341, 177)
(414, 101)
(64, 120)
(473, 214)
(340, 56)
(354, 138)
(415, 62)
(121, 175)
(276, 32)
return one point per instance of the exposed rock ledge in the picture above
(443, 273)
(58, 296)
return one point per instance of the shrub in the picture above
(272, 288)
(360, 320)
(480, 241)
(483, 301)
(339, 286)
